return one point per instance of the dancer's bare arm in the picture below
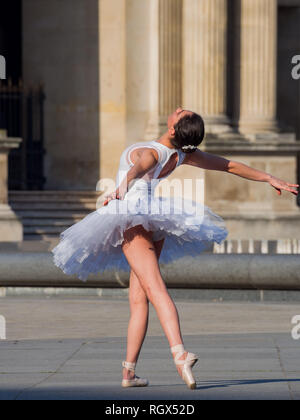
(217, 163)
(146, 161)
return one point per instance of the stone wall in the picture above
(114, 69)
(61, 50)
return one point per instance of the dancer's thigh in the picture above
(137, 293)
(142, 255)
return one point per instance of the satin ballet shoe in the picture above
(190, 360)
(126, 383)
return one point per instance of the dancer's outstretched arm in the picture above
(209, 161)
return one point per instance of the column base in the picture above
(233, 142)
(11, 228)
(217, 125)
(248, 126)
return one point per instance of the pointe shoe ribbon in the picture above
(126, 383)
(190, 360)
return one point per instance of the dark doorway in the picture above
(11, 37)
(21, 108)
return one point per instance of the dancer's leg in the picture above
(138, 323)
(140, 252)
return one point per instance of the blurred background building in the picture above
(86, 78)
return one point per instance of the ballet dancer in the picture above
(135, 231)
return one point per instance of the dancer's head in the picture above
(186, 128)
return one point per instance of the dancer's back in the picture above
(153, 177)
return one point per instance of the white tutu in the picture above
(94, 244)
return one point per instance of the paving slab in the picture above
(29, 318)
(92, 370)
(46, 357)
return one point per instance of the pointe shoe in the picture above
(190, 360)
(126, 383)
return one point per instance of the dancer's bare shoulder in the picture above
(144, 153)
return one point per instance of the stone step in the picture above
(46, 214)
(44, 231)
(44, 206)
(44, 201)
(51, 212)
(49, 222)
(63, 196)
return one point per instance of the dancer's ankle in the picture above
(179, 348)
(128, 374)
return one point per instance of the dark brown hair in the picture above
(189, 131)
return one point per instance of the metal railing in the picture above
(22, 115)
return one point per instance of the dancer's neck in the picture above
(166, 141)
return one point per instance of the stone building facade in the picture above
(114, 69)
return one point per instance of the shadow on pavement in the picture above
(229, 383)
(157, 392)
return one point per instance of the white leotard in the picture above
(150, 180)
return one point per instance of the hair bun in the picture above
(189, 148)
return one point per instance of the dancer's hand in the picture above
(119, 194)
(279, 185)
(110, 197)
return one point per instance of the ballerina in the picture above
(135, 231)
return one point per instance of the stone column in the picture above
(11, 229)
(165, 62)
(205, 62)
(112, 92)
(257, 66)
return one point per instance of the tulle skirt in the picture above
(94, 244)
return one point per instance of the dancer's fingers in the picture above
(292, 190)
(285, 188)
(113, 196)
(278, 191)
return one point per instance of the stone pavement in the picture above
(72, 348)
